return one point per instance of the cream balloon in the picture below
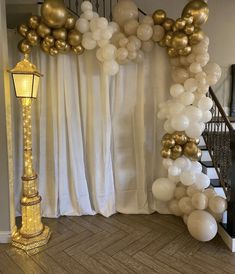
(180, 192)
(218, 204)
(163, 189)
(174, 208)
(200, 201)
(131, 26)
(158, 33)
(144, 32)
(185, 205)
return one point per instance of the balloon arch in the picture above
(186, 191)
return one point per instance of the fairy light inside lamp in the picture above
(32, 233)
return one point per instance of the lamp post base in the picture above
(30, 244)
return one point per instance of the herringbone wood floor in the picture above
(120, 244)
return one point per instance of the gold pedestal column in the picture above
(32, 233)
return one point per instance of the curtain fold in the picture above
(96, 138)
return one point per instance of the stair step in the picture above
(202, 147)
(215, 183)
(205, 156)
(207, 164)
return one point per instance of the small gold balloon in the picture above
(168, 39)
(172, 52)
(24, 46)
(53, 51)
(60, 44)
(185, 51)
(162, 43)
(22, 29)
(70, 22)
(45, 47)
(74, 38)
(33, 37)
(189, 29)
(66, 48)
(179, 40)
(168, 143)
(60, 34)
(199, 154)
(176, 152)
(78, 49)
(159, 17)
(33, 21)
(196, 37)
(166, 153)
(43, 30)
(188, 19)
(49, 40)
(168, 24)
(190, 150)
(198, 9)
(167, 136)
(180, 23)
(195, 141)
(180, 138)
(54, 13)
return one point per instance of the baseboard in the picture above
(228, 240)
(5, 237)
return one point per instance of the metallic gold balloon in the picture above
(53, 51)
(33, 21)
(43, 30)
(162, 43)
(66, 48)
(74, 38)
(179, 40)
(198, 9)
(168, 24)
(168, 143)
(195, 141)
(60, 34)
(196, 37)
(172, 52)
(54, 13)
(49, 40)
(33, 37)
(24, 46)
(185, 51)
(166, 153)
(45, 47)
(190, 150)
(70, 22)
(167, 136)
(159, 17)
(78, 49)
(60, 44)
(180, 23)
(180, 138)
(22, 29)
(189, 29)
(176, 152)
(199, 154)
(188, 19)
(168, 39)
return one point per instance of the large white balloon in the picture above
(205, 103)
(194, 130)
(163, 189)
(82, 25)
(202, 225)
(186, 98)
(193, 113)
(188, 178)
(109, 52)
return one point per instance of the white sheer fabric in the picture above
(96, 139)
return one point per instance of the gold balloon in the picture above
(172, 52)
(188, 19)
(189, 29)
(168, 143)
(168, 24)
(22, 29)
(198, 9)
(70, 22)
(195, 141)
(33, 37)
(53, 51)
(162, 43)
(180, 138)
(196, 37)
(180, 23)
(176, 152)
(190, 150)
(166, 153)
(60, 44)
(43, 30)
(24, 46)
(33, 21)
(185, 51)
(66, 48)
(199, 154)
(179, 40)
(167, 136)
(159, 17)
(78, 49)
(54, 13)
(49, 40)
(168, 39)
(45, 47)
(74, 38)
(60, 34)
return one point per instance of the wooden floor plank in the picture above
(8, 266)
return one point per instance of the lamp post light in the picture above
(32, 233)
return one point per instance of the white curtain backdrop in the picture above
(96, 138)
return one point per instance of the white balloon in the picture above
(213, 69)
(194, 130)
(168, 128)
(88, 14)
(180, 192)
(131, 26)
(202, 225)
(158, 33)
(147, 20)
(211, 80)
(176, 90)
(82, 25)
(186, 98)
(195, 68)
(147, 46)
(191, 190)
(132, 55)
(96, 35)
(174, 179)
(89, 43)
(205, 103)
(188, 178)
(111, 67)
(175, 61)
(163, 189)
(218, 205)
(174, 208)
(86, 5)
(191, 58)
(108, 52)
(140, 57)
(99, 55)
(193, 113)
(176, 108)
(144, 32)
(202, 181)
(114, 26)
(95, 15)
(174, 170)
(210, 193)
(106, 34)
(180, 122)
(122, 54)
(181, 163)
(184, 61)
(185, 205)
(200, 201)
(102, 23)
(131, 46)
(196, 167)
(185, 218)
(190, 85)
(179, 75)
(203, 59)
(136, 41)
(167, 163)
(102, 43)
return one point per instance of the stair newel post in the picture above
(232, 104)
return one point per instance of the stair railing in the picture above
(219, 136)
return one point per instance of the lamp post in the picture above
(32, 233)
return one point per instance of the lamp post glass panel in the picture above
(32, 233)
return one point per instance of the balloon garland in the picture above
(185, 192)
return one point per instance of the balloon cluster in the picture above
(54, 31)
(180, 35)
(177, 144)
